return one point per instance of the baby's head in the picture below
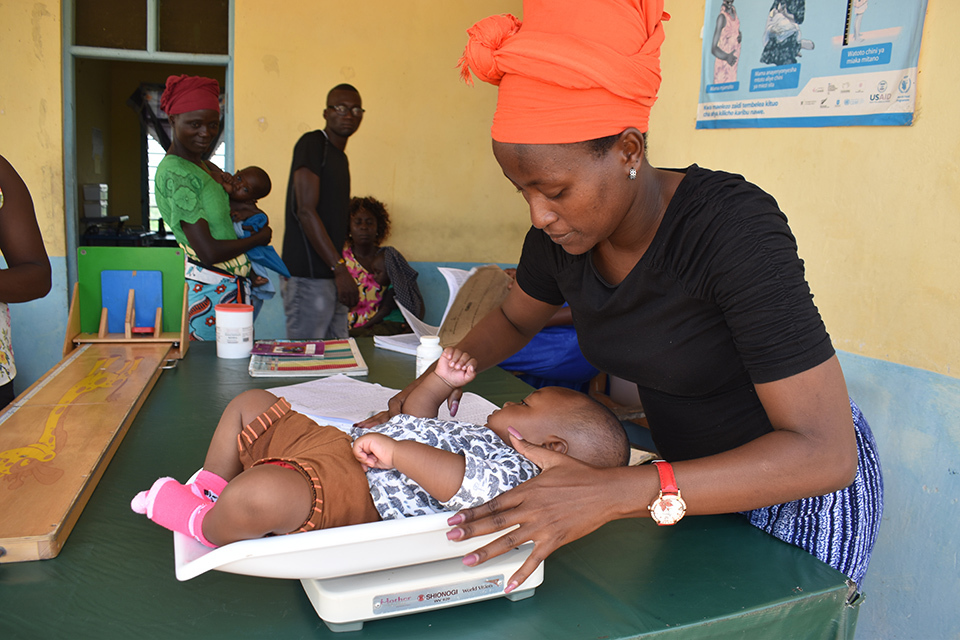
(379, 270)
(249, 185)
(566, 421)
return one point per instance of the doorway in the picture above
(113, 48)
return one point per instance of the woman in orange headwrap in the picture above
(686, 282)
(195, 206)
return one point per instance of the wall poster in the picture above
(823, 63)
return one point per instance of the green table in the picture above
(708, 577)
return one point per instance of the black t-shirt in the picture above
(316, 154)
(717, 303)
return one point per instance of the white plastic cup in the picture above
(234, 330)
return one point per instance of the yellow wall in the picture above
(424, 145)
(31, 108)
(878, 222)
(876, 210)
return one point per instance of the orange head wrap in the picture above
(572, 70)
(190, 93)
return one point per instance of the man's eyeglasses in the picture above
(343, 110)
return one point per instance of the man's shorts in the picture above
(322, 454)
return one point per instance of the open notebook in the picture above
(341, 401)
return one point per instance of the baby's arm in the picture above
(439, 472)
(241, 210)
(454, 369)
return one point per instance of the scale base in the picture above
(344, 604)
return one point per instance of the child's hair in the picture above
(375, 208)
(263, 177)
(598, 433)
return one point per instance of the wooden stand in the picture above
(179, 341)
(58, 436)
(130, 320)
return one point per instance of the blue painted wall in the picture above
(913, 583)
(39, 328)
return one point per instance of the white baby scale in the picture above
(368, 571)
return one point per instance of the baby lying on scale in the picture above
(270, 470)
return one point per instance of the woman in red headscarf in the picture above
(686, 282)
(195, 206)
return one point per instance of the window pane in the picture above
(189, 26)
(112, 24)
(219, 156)
(155, 154)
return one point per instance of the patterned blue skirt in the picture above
(839, 528)
(208, 288)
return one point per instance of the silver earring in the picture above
(633, 173)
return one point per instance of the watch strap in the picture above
(668, 482)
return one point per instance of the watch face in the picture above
(668, 509)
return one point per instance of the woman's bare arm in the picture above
(212, 251)
(500, 334)
(812, 451)
(27, 276)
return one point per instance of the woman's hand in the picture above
(211, 251)
(263, 236)
(568, 500)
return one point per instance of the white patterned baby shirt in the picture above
(492, 467)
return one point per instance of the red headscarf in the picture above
(571, 70)
(190, 93)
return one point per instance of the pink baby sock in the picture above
(174, 506)
(210, 484)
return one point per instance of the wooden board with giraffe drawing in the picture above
(57, 438)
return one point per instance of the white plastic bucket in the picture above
(234, 330)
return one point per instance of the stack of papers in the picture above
(341, 401)
(401, 343)
(473, 294)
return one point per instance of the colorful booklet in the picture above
(339, 356)
(288, 348)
